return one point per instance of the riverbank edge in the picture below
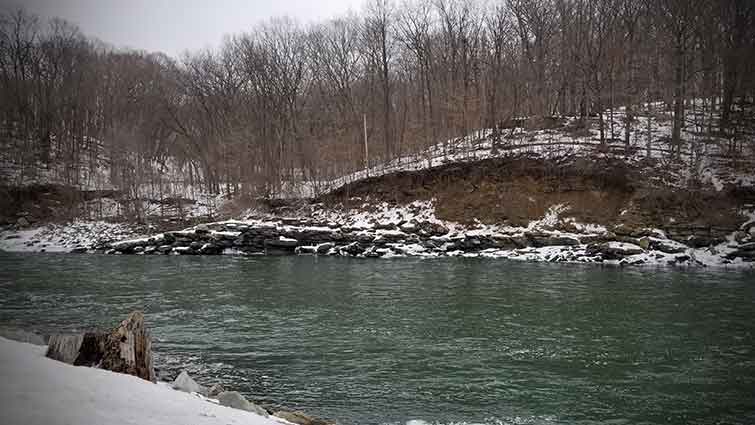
(82, 351)
(412, 230)
(40, 390)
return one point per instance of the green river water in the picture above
(440, 341)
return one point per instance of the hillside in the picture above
(541, 189)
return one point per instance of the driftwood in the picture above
(126, 349)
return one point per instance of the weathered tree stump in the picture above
(64, 348)
(129, 349)
(126, 349)
(91, 350)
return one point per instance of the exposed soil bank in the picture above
(516, 190)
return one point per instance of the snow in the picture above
(36, 390)
(64, 238)
(550, 219)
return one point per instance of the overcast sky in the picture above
(172, 26)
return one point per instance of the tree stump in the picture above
(128, 349)
(91, 350)
(64, 348)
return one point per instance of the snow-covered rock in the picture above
(614, 250)
(185, 383)
(215, 390)
(237, 401)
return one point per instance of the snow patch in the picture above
(40, 391)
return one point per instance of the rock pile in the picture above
(236, 400)
(417, 237)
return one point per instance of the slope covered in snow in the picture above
(36, 390)
(706, 156)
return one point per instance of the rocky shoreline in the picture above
(413, 231)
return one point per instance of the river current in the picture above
(425, 340)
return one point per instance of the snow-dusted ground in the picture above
(35, 390)
(78, 235)
(703, 156)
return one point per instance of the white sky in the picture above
(172, 26)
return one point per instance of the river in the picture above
(436, 340)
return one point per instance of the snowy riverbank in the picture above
(36, 390)
(413, 230)
(77, 236)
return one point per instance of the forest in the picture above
(289, 102)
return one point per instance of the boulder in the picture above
(237, 401)
(501, 241)
(215, 390)
(22, 222)
(291, 221)
(744, 255)
(384, 225)
(614, 250)
(668, 246)
(300, 418)
(323, 248)
(432, 229)
(740, 236)
(409, 227)
(306, 249)
(744, 251)
(281, 242)
(352, 249)
(701, 241)
(210, 249)
(545, 239)
(184, 383)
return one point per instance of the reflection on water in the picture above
(441, 341)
